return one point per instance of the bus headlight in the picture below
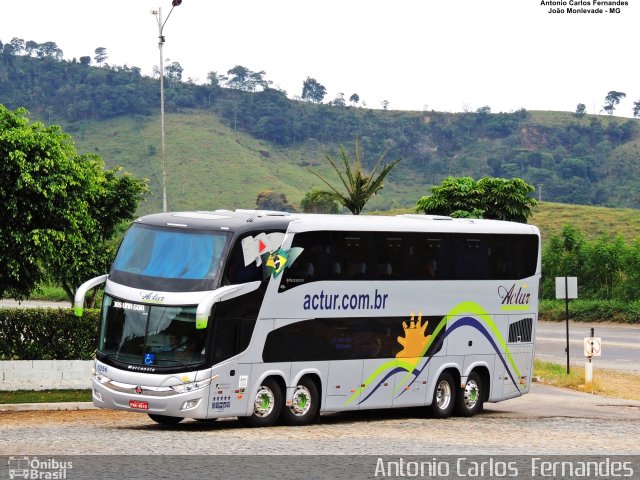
(190, 404)
(190, 387)
(101, 378)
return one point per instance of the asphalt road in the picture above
(620, 344)
(546, 421)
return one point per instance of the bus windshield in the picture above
(150, 335)
(169, 259)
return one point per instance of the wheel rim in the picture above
(264, 402)
(301, 401)
(443, 395)
(471, 394)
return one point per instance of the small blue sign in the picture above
(149, 358)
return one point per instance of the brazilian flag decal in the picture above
(280, 259)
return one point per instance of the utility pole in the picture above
(161, 24)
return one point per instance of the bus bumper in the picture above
(157, 401)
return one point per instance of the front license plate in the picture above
(139, 405)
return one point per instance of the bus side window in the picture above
(350, 256)
(236, 272)
(472, 258)
(390, 256)
(430, 255)
(312, 263)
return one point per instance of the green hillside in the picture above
(593, 221)
(228, 140)
(209, 165)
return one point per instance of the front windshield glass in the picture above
(169, 259)
(149, 334)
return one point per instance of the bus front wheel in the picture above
(443, 396)
(469, 399)
(165, 420)
(304, 404)
(267, 405)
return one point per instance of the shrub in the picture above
(47, 334)
(591, 311)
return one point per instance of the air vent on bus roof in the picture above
(262, 213)
(201, 215)
(425, 217)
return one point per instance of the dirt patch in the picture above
(91, 417)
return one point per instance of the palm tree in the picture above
(360, 186)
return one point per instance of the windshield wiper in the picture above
(162, 360)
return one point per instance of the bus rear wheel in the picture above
(469, 401)
(304, 404)
(267, 405)
(164, 419)
(443, 396)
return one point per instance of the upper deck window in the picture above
(169, 258)
(410, 256)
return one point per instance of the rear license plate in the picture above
(139, 405)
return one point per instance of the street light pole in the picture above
(161, 24)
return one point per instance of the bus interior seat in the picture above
(384, 270)
(336, 269)
(308, 270)
(356, 269)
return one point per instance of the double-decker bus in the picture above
(267, 315)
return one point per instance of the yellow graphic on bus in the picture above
(414, 341)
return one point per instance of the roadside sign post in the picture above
(592, 348)
(567, 287)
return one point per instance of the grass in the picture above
(45, 396)
(49, 292)
(608, 383)
(593, 221)
(551, 218)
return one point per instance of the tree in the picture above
(270, 200)
(173, 71)
(354, 99)
(359, 185)
(612, 99)
(214, 79)
(456, 197)
(313, 91)
(101, 55)
(112, 201)
(59, 209)
(339, 100)
(241, 78)
(581, 110)
(18, 45)
(636, 109)
(49, 50)
(85, 60)
(31, 47)
(311, 204)
(489, 197)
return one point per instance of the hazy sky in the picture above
(445, 55)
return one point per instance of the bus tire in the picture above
(267, 405)
(305, 404)
(443, 396)
(469, 399)
(164, 419)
